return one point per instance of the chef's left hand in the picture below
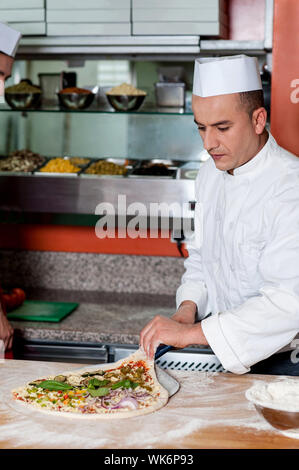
(163, 330)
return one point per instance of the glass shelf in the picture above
(143, 110)
(95, 133)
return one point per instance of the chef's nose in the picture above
(210, 141)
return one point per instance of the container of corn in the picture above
(60, 166)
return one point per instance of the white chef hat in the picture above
(223, 75)
(9, 40)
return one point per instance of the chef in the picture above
(9, 40)
(240, 290)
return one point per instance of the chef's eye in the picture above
(201, 129)
(223, 129)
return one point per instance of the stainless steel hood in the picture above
(108, 46)
(182, 48)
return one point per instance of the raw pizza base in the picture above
(111, 414)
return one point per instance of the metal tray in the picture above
(189, 170)
(199, 360)
(190, 361)
(51, 173)
(16, 173)
(118, 161)
(166, 162)
(170, 165)
(21, 173)
(82, 166)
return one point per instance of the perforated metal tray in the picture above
(177, 360)
(190, 361)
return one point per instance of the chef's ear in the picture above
(259, 120)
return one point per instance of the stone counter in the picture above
(102, 317)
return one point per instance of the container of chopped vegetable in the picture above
(20, 162)
(107, 167)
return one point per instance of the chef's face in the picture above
(6, 63)
(229, 134)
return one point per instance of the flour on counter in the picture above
(282, 394)
(220, 404)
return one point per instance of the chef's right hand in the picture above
(186, 312)
(6, 331)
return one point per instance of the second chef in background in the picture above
(9, 40)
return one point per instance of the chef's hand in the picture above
(6, 331)
(168, 331)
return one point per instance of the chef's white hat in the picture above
(9, 40)
(223, 75)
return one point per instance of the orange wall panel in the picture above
(246, 19)
(80, 240)
(285, 75)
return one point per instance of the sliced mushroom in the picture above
(60, 378)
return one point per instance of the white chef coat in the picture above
(243, 264)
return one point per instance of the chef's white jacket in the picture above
(243, 264)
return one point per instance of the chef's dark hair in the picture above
(252, 100)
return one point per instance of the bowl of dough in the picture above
(278, 403)
(125, 97)
(23, 96)
(74, 98)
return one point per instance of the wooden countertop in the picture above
(209, 411)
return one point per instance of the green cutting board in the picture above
(39, 310)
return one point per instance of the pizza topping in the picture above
(100, 392)
(126, 402)
(73, 380)
(94, 383)
(124, 384)
(54, 385)
(128, 387)
(60, 378)
(35, 383)
(91, 374)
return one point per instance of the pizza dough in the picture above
(140, 394)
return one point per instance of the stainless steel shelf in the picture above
(110, 41)
(62, 195)
(218, 46)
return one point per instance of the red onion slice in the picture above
(126, 402)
